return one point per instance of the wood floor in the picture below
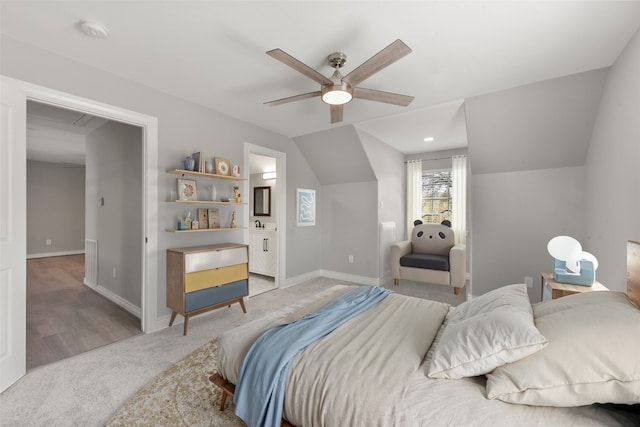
(65, 317)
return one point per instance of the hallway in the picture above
(65, 317)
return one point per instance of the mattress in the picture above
(372, 371)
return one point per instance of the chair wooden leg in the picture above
(456, 291)
(395, 282)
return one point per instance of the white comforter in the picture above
(371, 372)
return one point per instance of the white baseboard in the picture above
(362, 280)
(52, 254)
(296, 280)
(116, 299)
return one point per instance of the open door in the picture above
(13, 241)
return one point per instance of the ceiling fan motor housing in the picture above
(337, 59)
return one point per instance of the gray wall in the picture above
(55, 208)
(389, 168)
(515, 214)
(350, 227)
(184, 128)
(594, 202)
(613, 172)
(527, 147)
(114, 174)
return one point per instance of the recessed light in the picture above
(93, 29)
(429, 139)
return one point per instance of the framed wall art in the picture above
(222, 166)
(305, 207)
(187, 189)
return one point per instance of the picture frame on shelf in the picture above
(187, 189)
(222, 166)
(305, 207)
(203, 217)
(214, 218)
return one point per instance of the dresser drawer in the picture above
(214, 259)
(215, 277)
(205, 297)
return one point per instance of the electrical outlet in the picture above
(48, 242)
(350, 259)
(528, 280)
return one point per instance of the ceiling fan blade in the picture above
(292, 62)
(381, 96)
(377, 62)
(293, 98)
(336, 113)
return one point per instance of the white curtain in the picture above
(459, 198)
(414, 193)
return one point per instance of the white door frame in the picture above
(281, 198)
(149, 126)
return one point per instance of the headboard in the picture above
(633, 271)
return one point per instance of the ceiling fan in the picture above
(338, 90)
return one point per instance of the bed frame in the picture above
(633, 291)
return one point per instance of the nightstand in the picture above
(552, 289)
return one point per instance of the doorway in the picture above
(14, 95)
(267, 216)
(78, 301)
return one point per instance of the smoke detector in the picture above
(93, 29)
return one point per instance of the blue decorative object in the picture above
(570, 263)
(189, 163)
(586, 277)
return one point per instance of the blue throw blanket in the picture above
(259, 394)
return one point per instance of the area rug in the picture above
(180, 396)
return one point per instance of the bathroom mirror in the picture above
(261, 201)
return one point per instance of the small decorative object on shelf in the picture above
(213, 191)
(189, 163)
(182, 224)
(233, 220)
(198, 160)
(236, 170)
(208, 167)
(236, 193)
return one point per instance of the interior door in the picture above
(13, 240)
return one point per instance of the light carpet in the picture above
(181, 396)
(88, 389)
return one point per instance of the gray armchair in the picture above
(431, 256)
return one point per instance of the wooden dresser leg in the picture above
(173, 317)
(186, 324)
(241, 301)
(456, 291)
(395, 282)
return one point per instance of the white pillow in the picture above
(486, 332)
(592, 356)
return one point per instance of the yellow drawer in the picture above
(214, 277)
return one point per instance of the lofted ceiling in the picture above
(213, 53)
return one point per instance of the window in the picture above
(436, 196)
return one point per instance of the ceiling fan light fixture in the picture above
(338, 94)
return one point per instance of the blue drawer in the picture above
(210, 296)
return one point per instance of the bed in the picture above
(496, 360)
